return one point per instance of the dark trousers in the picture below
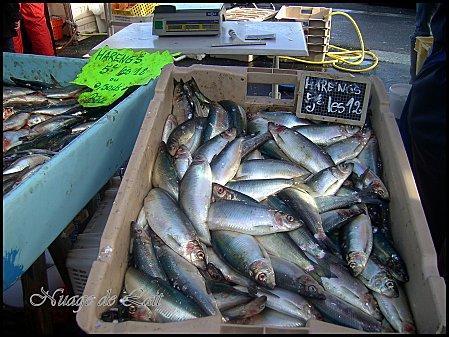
(8, 45)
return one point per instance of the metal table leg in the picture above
(275, 87)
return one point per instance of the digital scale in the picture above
(187, 19)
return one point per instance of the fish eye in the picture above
(262, 277)
(200, 255)
(312, 288)
(132, 309)
(220, 189)
(389, 284)
(290, 218)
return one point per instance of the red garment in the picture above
(35, 25)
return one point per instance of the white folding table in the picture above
(289, 41)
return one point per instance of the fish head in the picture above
(182, 152)
(220, 192)
(287, 221)
(196, 254)
(256, 306)
(229, 134)
(275, 128)
(262, 272)
(356, 262)
(363, 135)
(379, 188)
(215, 273)
(386, 284)
(397, 268)
(310, 288)
(408, 327)
(349, 129)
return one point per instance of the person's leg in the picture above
(34, 21)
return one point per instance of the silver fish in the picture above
(334, 219)
(254, 155)
(56, 123)
(169, 126)
(28, 161)
(165, 302)
(69, 91)
(252, 143)
(260, 189)
(248, 218)
(370, 157)
(186, 134)
(329, 181)
(246, 310)
(57, 109)
(280, 245)
(81, 127)
(35, 119)
(226, 163)
(13, 138)
(348, 148)
(397, 312)
(164, 174)
(325, 135)
(182, 161)
(10, 92)
(299, 149)
(214, 146)
(305, 240)
(237, 116)
(365, 177)
(16, 122)
(170, 223)
(375, 277)
(183, 108)
(185, 277)
(195, 193)
(357, 242)
(220, 192)
(271, 318)
(242, 252)
(269, 169)
(287, 119)
(217, 121)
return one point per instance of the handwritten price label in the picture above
(110, 72)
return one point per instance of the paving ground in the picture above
(385, 30)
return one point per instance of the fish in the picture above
(16, 122)
(290, 277)
(226, 163)
(183, 109)
(12, 91)
(182, 161)
(62, 142)
(280, 245)
(54, 124)
(237, 116)
(254, 155)
(248, 218)
(8, 112)
(369, 156)
(246, 310)
(188, 134)
(231, 298)
(300, 149)
(185, 277)
(66, 107)
(331, 202)
(199, 109)
(169, 126)
(226, 273)
(26, 174)
(397, 311)
(220, 192)
(308, 244)
(35, 119)
(145, 258)
(269, 169)
(214, 146)
(13, 138)
(196, 90)
(28, 161)
(35, 85)
(329, 180)
(305, 208)
(376, 278)
(284, 118)
(243, 253)
(167, 303)
(164, 173)
(31, 100)
(357, 242)
(252, 143)
(327, 134)
(335, 219)
(66, 92)
(170, 223)
(364, 177)
(271, 318)
(195, 191)
(260, 189)
(349, 289)
(386, 254)
(337, 311)
(217, 121)
(81, 127)
(348, 148)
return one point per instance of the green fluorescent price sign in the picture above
(110, 72)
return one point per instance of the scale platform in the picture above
(187, 19)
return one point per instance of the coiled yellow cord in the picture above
(344, 56)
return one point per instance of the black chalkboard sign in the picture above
(333, 97)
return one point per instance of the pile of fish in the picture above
(265, 219)
(39, 120)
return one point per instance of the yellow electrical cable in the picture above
(345, 56)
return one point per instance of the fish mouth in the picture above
(275, 128)
(356, 262)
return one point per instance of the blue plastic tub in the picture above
(36, 212)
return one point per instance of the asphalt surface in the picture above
(385, 30)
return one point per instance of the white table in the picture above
(290, 40)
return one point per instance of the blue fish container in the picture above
(37, 211)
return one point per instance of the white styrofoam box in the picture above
(101, 24)
(79, 10)
(79, 263)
